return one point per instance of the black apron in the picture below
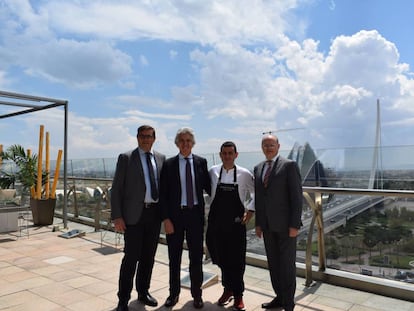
(226, 235)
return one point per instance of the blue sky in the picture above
(231, 70)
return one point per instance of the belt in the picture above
(149, 205)
(187, 207)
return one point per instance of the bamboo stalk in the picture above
(39, 164)
(56, 176)
(47, 167)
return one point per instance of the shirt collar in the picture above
(144, 152)
(275, 158)
(181, 157)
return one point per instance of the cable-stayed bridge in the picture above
(337, 210)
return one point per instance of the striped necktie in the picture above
(267, 173)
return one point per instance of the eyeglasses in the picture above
(269, 146)
(145, 136)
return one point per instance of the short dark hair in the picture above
(144, 128)
(228, 144)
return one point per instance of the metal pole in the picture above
(65, 169)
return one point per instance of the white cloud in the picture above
(364, 59)
(206, 22)
(143, 60)
(157, 115)
(4, 81)
(29, 43)
(248, 76)
(334, 95)
(128, 101)
(81, 64)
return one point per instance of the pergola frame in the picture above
(26, 102)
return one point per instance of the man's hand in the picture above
(246, 217)
(259, 232)
(168, 226)
(119, 224)
(293, 232)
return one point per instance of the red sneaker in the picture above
(225, 298)
(238, 304)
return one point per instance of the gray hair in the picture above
(184, 130)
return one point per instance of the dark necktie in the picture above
(267, 173)
(189, 183)
(154, 190)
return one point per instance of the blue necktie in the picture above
(154, 190)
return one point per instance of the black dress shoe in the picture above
(122, 307)
(171, 301)
(148, 300)
(198, 303)
(275, 303)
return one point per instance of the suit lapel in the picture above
(275, 169)
(157, 162)
(196, 164)
(137, 159)
(176, 172)
(261, 170)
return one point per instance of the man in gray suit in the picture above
(135, 212)
(278, 195)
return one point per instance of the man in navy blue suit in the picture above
(183, 180)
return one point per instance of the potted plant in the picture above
(25, 169)
(26, 174)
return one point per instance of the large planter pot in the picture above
(43, 211)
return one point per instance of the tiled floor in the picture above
(46, 272)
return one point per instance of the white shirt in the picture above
(143, 156)
(244, 180)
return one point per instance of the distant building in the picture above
(311, 169)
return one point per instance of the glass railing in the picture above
(365, 231)
(358, 213)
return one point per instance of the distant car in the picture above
(400, 275)
(366, 272)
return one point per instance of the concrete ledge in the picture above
(371, 284)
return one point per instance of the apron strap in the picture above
(234, 175)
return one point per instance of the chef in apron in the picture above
(231, 208)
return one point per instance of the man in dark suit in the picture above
(135, 212)
(183, 180)
(278, 197)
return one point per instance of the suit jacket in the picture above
(128, 186)
(170, 188)
(279, 206)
